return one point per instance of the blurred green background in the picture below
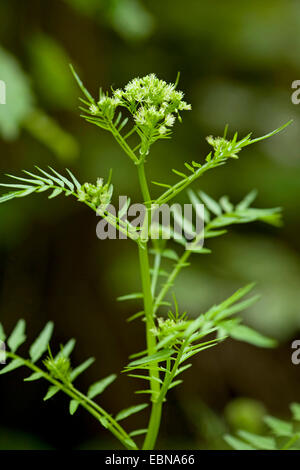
(237, 63)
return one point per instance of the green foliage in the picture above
(283, 435)
(245, 413)
(59, 368)
(40, 183)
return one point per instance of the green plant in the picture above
(151, 107)
(282, 435)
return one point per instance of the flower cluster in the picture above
(153, 103)
(167, 326)
(98, 195)
(151, 118)
(59, 367)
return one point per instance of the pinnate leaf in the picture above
(40, 345)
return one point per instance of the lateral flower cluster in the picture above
(59, 367)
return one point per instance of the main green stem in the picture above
(154, 423)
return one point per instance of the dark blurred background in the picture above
(237, 63)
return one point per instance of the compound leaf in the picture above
(99, 387)
(2, 334)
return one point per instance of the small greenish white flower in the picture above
(170, 119)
